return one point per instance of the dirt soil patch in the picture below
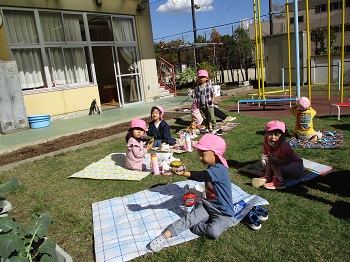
(69, 141)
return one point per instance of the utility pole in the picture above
(193, 7)
(271, 17)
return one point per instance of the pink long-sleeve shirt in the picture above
(135, 154)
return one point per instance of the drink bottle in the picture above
(154, 164)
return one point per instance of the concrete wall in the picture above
(319, 69)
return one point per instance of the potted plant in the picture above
(19, 242)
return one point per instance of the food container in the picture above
(177, 166)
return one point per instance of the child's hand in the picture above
(149, 145)
(179, 173)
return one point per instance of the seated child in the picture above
(279, 157)
(304, 127)
(159, 129)
(196, 114)
(212, 216)
(135, 148)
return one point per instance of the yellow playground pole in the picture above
(261, 52)
(308, 48)
(257, 47)
(289, 61)
(329, 48)
(342, 52)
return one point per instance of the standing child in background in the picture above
(159, 129)
(197, 117)
(304, 126)
(279, 157)
(204, 96)
(212, 216)
(135, 148)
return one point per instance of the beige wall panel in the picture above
(61, 101)
(51, 103)
(80, 98)
(4, 50)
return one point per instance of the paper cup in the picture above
(200, 191)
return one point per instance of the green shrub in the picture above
(187, 76)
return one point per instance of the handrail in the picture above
(166, 75)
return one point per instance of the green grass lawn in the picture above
(307, 222)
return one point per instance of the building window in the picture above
(320, 8)
(300, 19)
(335, 6)
(51, 47)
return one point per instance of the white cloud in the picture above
(184, 6)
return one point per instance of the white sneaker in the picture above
(229, 119)
(156, 244)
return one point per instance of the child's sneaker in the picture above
(229, 119)
(260, 181)
(157, 244)
(261, 212)
(277, 183)
(252, 220)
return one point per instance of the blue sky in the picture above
(172, 19)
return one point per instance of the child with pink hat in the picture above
(136, 148)
(304, 126)
(204, 97)
(159, 129)
(213, 215)
(279, 158)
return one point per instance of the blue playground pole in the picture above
(297, 57)
(282, 78)
(339, 75)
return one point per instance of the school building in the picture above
(71, 52)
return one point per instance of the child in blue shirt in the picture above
(213, 215)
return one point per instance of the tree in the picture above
(227, 41)
(333, 38)
(215, 37)
(318, 36)
(279, 10)
(241, 50)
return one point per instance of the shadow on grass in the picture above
(181, 122)
(236, 164)
(342, 126)
(336, 183)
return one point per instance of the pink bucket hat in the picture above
(203, 73)
(275, 124)
(303, 103)
(138, 123)
(161, 109)
(213, 143)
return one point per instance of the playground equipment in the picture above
(266, 100)
(266, 97)
(338, 106)
(260, 65)
(341, 78)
